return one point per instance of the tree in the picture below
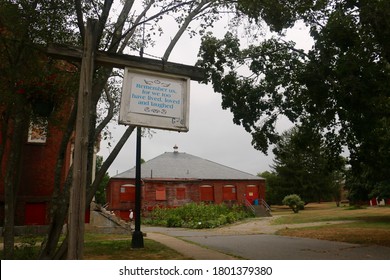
(117, 32)
(271, 192)
(302, 166)
(294, 202)
(339, 87)
(28, 76)
(117, 35)
(100, 195)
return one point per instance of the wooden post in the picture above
(77, 202)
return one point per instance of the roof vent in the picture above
(175, 149)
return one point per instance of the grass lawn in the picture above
(104, 247)
(368, 225)
(121, 250)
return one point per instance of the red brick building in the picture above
(39, 155)
(175, 178)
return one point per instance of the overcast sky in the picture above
(212, 134)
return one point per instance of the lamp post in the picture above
(138, 238)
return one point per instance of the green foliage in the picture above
(294, 202)
(304, 166)
(340, 87)
(278, 14)
(197, 215)
(381, 190)
(30, 85)
(100, 195)
(271, 193)
(27, 248)
(30, 80)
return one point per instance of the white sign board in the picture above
(155, 100)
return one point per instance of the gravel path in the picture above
(261, 225)
(265, 226)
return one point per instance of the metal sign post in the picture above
(138, 238)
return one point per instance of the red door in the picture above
(35, 214)
(252, 193)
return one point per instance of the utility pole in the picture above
(77, 204)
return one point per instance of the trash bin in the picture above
(256, 202)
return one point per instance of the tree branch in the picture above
(134, 26)
(186, 23)
(136, 23)
(103, 19)
(80, 20)
(107, 163)
(118, 27)
(109, 115)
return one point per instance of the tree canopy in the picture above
(325, 88)
(302, 166)
(28, 76)
(339, 87)
(131, 27)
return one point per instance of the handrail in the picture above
(265, 204)
(249, 205)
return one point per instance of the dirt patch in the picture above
(350, 231)
(266, 226)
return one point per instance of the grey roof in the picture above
(177, 165)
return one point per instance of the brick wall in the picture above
(170, 193)
(37, 178)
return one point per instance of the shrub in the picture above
(294, 202)
(174, 221)
(197, 215)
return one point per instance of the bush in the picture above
(294, 202)
(174, 221)
(197, 215)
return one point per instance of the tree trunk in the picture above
(11, 183)
(58, 217)
(59, 202)
(60, 208)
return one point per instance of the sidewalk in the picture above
(187, 249)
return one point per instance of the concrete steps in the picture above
(261, 211)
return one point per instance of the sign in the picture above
(37, 132)
(155, 100)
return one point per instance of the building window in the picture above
(127, 193)
(37, 132)
(206, 193)
(180, 193)
(229, 193)
(161, 193)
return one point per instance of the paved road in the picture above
(259, 246)
(273, 247)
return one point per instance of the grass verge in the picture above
(367, 225)
(105, 247)
(121, 250)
